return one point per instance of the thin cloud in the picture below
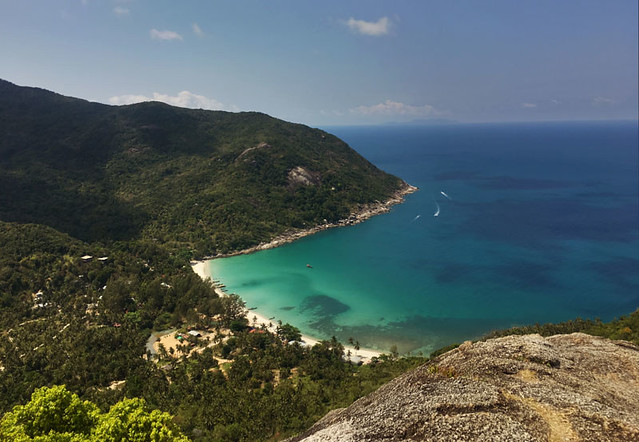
(197, 30)
(333, 113)
(119, 10)
(378, 28)
(394, 108)
(183, 99)
(165, 35)
(602, 100)
(528, 105)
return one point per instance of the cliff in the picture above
(518, 388)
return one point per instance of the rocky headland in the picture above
(360, 214)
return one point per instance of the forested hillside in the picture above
(100, 211)
(200, 182)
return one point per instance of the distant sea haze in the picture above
(534, 223)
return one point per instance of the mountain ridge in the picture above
(192, 179)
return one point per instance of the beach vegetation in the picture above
(288, 333)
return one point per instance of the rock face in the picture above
(518, 388)
(299, 175)
(245, 152)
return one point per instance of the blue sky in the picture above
(335, 61)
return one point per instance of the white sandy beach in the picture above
(363, 213)
(201, 268)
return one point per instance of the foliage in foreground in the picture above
(55, 414)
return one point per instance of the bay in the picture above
(536, 223)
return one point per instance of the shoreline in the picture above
(365, 212)
(363, 355)
(255, 318)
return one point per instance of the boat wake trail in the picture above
(444, 193)
(416, 218)
(436, 213)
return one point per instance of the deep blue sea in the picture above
(536, 223)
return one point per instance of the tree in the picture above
(116, 299)
(238, 325)
(57, 415)
(132, 319)
(233, 308)
(54, 412)
(288, 333)
(129, 419)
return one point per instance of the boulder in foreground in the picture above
(517, 388)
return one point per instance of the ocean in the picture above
(535, 223)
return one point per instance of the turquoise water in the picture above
(540, 224)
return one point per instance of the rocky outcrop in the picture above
(518, 388)
(245, 152)
(300, 176)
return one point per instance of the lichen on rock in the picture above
(518, 388)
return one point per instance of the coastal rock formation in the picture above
(517, 388)
(363, 213)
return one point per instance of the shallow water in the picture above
(539, 223)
